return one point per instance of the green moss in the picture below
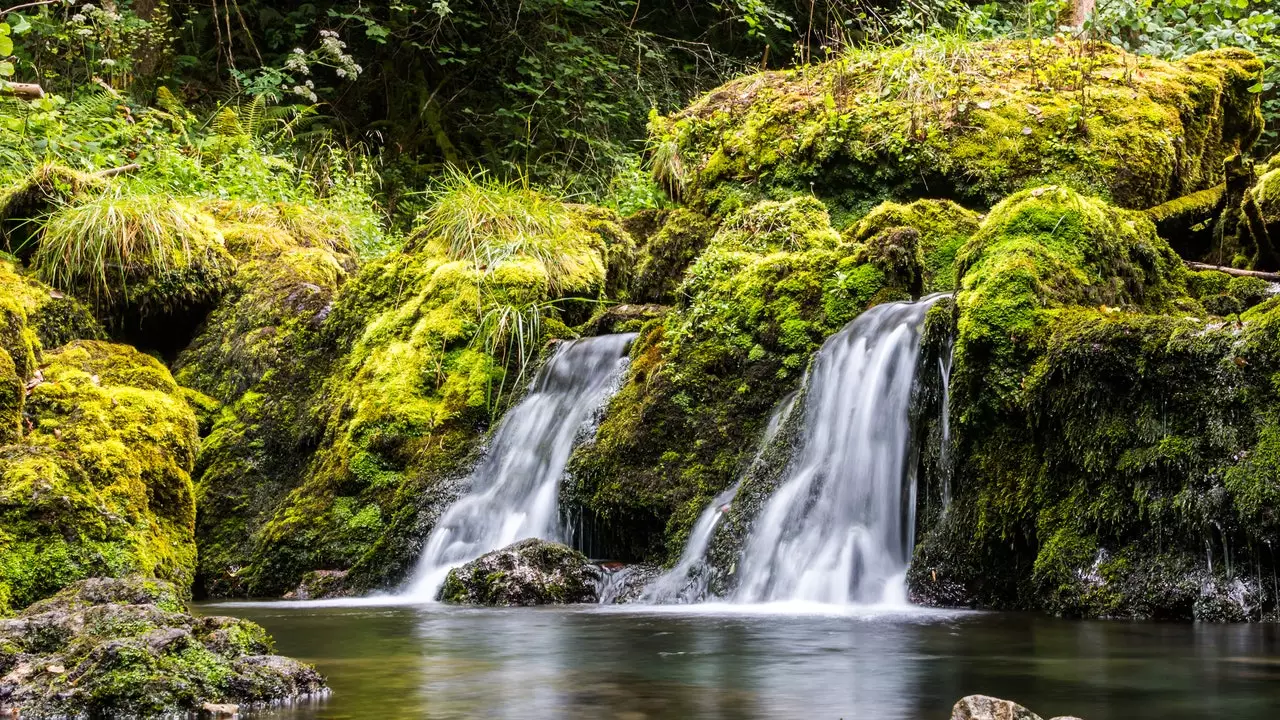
(976, 121)
(100, 485)
(942, 226)
(135, 258)
(770, 286)
(662, 260)
(348, 398)
(12, 399)
(1103, 434)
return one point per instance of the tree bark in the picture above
(1080, 12)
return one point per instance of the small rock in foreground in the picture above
(127, 647)
(985, 707)
(530, 572)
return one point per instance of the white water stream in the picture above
(514, 490)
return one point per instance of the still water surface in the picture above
(590, 662)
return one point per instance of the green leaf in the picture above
(6, 68)
(20, 24)
(6, 46)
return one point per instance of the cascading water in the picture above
(687, 581)
(838, 528)
(514, 490)
(944, 454)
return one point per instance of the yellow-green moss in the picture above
(942, 225)
(135, 257)
(12, 399)
(968, 120)
(666, 254)
(101, 484)
(771, 285)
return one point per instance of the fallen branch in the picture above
(25, 91)
(24, 6)
(1237, 272)
(112, 172)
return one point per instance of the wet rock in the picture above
(127, 647)
(319, 584)
(985, 707)
(625, 583)
(530, 572)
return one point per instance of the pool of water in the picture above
(436, 661)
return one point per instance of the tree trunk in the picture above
(26, 91)
(1080, 12)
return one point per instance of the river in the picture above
(434, 661)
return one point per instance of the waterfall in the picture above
(838, 528)
(514, 491)
(687, 581)
(944, 452)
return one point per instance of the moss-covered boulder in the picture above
(664, 256)
(1104, 427)
(352, 401)
(530, 572)
(143, 262)
(128, 648)
(772, 283)
(972, 121)
(99, 483)
(941, 228)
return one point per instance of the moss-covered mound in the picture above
(1108, 435)
(971, 121)
(941, 228)
(139, 260)
(774, 281)
(353, 403)
(128, 648)
(530, 572)
(99, 482)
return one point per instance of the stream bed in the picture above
(435, 661)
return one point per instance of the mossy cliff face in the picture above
(259, 364)
(99, 483)
(971, 121)
(367, 393)
(127, 648)
(774, 281)
(1109, 435)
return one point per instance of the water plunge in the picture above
(838, 528)
(515, 488)
(687, 581)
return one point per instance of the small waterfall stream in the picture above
(514, 489)
(687, 581)
(838, 528)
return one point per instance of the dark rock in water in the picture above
(985, 707)
(127, 647)
(530, 572)
(319, 584)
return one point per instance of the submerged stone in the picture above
(128, 647)
(530, 572)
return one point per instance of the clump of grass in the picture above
(488, 222)
(47, 186)
(148, 253)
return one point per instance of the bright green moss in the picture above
(769, 288)
(942, 226)
(1105, 433)
(12, 399)
(968, 120)
(135, 257)
(101, 484)
(662, 260)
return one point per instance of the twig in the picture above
(24, 6)
(1237, 272)
(112, 172)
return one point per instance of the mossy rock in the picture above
(1104, 431)
(128, 648)
(942, 228)
(100, 484)
(352, 399)
(529, 572)
(771, 285)
(971, 121)
(1266, 193)
(141, 261)
(666, 254)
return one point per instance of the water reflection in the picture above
(443, 662)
